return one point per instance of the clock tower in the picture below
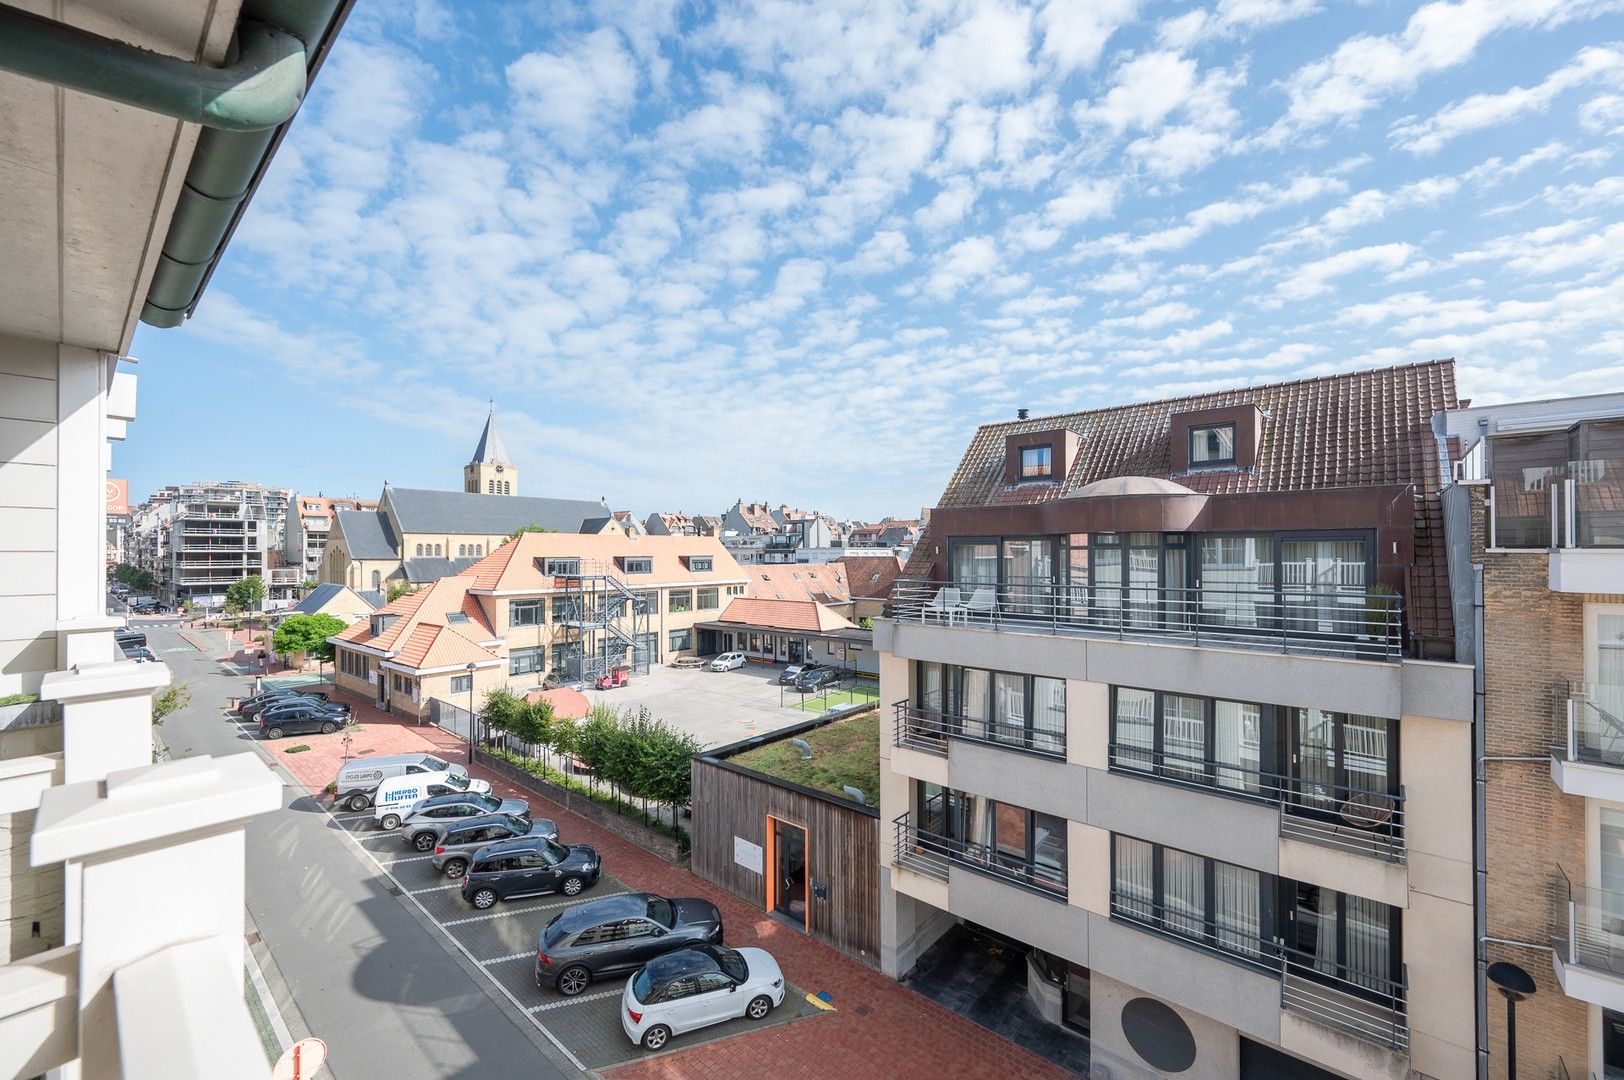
(490, 472)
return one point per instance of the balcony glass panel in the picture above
(1598, 501)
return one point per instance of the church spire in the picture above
(490, 448)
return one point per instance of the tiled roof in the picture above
(783, 615)
(322, 595)
(757, 516)
(871, 576)
(366, 534)
(519, 564)
(823, 582)
(457, 513)
(425, 635)
(404, 606)
(436, 646)
(419, 571)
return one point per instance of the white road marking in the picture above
(386, 863)
(434, 888)
(505, 959)
(575, 1001)
(519, 911)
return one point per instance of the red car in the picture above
(620, 676)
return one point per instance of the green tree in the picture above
(245, 595)
(522, 529)
(501, 711)
(396, 591)
(307, 634)
(170, 700)
(533, 723)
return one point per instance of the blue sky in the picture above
(798, 251)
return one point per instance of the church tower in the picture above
(490, 472)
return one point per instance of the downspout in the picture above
(1480, 871)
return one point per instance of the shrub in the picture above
(301, 748)
(18, 699)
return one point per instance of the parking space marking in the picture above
(386, 863)
(521, 910)
(574, 1001)
(435, 888)
(505, 959)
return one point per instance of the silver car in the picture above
(424, 825)
(457, 846)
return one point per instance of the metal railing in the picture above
(1348, 621)
(931, 853)
(928, 730)
(1578, 504)
(1348, 818)
(1589, 724)
(1367, 1005)
(1590, 926)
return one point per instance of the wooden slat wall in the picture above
(842, 852)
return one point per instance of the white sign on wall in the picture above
(746, 854)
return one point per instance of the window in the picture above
(1196, 740)
(377, 580)
(1030, 843)
(1212, 445)
(700, 564)
(490, 487)
(681, 639)
(709, 600)
(638, 566)
(462, 549)
(680, 600)
(479, 549)
(524, 612)
(420, 549)
(462, 684)
(561, 567)
(525, 661)
(710, 981)
(1036, 462)
(437, 550)
(1015, 710)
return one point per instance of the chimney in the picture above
(1022, 414)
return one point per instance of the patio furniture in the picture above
(983, 602)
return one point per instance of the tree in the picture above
(247, 594)
(168, 701)
(307, 634)
(501, 710)
(522, 529)
(396, 591)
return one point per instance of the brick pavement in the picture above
(879, 1029)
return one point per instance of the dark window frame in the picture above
(1032, 473)
(531, 607)
(1212, 463)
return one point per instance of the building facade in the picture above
(1537, 526)
(308, 525)
(489, 472)
(1173, 707)
(213, 534)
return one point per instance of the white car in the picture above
(728, 661)
(693, 988)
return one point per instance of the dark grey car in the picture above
(461, 839)
(425, 822)
(618, 934)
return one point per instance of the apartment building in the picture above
(1536, 522)
(1175, 714)
(543, 608)
(219, 533)
(308, 524)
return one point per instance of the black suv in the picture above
(526, 868)
(619, 934)
(817, 679)
(299, 718)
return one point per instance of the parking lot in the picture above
(502, 943)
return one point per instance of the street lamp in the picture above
(471, 713)
(1515, 984)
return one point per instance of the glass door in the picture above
(1344, 766)
(1344, 939)
(1323, 586)
(789, 871)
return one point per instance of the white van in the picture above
(396, 795)
(358, 779)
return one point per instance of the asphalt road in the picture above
(367, 975)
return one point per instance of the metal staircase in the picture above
(611, 619)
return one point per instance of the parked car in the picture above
(303, 704)
(140, 655)
(523, 868)
(619, 933)
(463, 838)
(727, 661)
(250, 705)
(817, 679)
(297, 719)
(443, 809)
(694, 988)
(357, 781)
(129, 639)
(788, 676)
(393, 798)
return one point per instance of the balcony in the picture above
(928, 730)
(1589, 943)
(931, 854)
(1356, 820)
(1573, 511)
(1367, 1006)
(1587, 753)
(1337, 622)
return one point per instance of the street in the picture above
(367, 975)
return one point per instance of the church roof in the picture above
(490, 446)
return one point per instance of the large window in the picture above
(1193, 739)
(462, 684)
(679, 601)
(525, 661)
(709, 599)
(1031, 844)
(561, 567)
(1212, 445)
(1203, 900)
(1027, 711)
(639, 565)
(679, 640)
(975, 563)
(524, 612)
(1036, 463)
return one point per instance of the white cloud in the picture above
(972, 258)
(885, 250)
(1603, 114)
(1091, 197)
(1074, 34)
(1488, 110)
(1144, 91)
(1230, 18)
(1313, 278)
(574, 93)
(949, 206)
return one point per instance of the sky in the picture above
(797, 252)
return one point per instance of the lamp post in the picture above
(1514, 984)
(471, 713)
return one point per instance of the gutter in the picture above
(244, 108)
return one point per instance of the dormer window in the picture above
(561, 567)
(638, 565)
(1212, 444)
(1037, 462)
(700, 564)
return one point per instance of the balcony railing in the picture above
(1347, 622)
(928, 730)
(930, 853)
(1590, 927)
(1348, 818)
(1590, 724)
(1369, 1006)
(1576, 505)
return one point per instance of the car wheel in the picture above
(358, 803)
(423, 841)
(484, 899)
(328, 728)
(573, 979)
(572, 886)
(655, 1037)
(455, 868)
(274, 733)
(390, 822)
(759, 1006)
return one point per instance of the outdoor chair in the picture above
(983, 602)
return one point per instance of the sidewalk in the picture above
(878, 1030)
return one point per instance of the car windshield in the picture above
(517, 823)
(733, 964)
(456, 781)
(662, 911)
(434, 764)
(642, 986)
(555, 852)
(554, 933)
(490, 802)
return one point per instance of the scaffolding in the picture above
(609, 621)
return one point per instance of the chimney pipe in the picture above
(1022, 414)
